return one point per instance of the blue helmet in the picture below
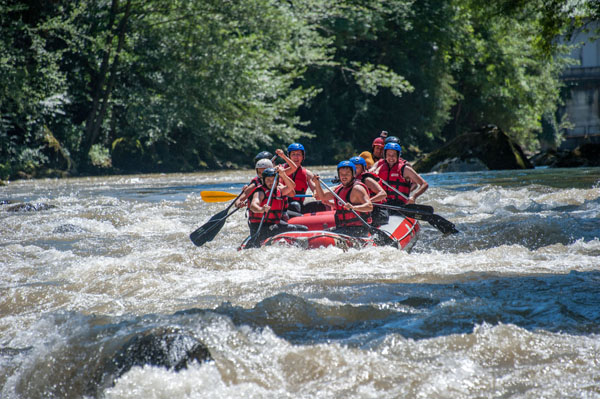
(393, 146)
(297, 147)
(347, 164)
(359, 161)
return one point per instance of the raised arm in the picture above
(287, 185)
(291, 164)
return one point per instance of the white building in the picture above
(583, 90)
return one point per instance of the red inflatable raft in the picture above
(402, 229)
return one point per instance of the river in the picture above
(507, 308)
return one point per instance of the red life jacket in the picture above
(256, 181)
(378, 163)
(278, 205)
(344, 217)
(363, 176)
(394, 177)
(301, 179)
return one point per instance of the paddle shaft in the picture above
(222, 196)
(275, 182)
(379, 231)
(344, 203)
(394, 190)
(198, 234)
(220, 220)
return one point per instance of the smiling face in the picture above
(391, 157)
(346, 175)
(359, 169)
(297, 156)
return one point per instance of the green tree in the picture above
(502, 76)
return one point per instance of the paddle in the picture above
(422, 212)
(443, 225)
(209, 230)
(252, 241)
(424, 208)
(222, 196)
(380, 233)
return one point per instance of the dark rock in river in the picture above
(28, 207)
(486, 149)
(68, 228)
(585, 155)
(169, 348)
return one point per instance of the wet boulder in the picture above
(170, 348)
(488, 148)
(585, 155)
(68, 228)
(29, 207)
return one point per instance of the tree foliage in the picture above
(102, 86)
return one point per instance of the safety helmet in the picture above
(392, 139)
(297, 147)
(263, 155)
(378, 141)
(269, 172)
(347, 164)
(264, 163)
(383, 134)
(393, 146)
(359, 161)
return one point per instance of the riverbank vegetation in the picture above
(112, 86)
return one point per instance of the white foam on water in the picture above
(501, 360)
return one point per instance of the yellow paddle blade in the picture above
(217, 196)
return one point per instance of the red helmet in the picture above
(378, 141)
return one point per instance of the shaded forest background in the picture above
(113, 86)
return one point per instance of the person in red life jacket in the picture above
(390, 139)
(376, 151)
(377, 194)
(408, 185)
(303, 179)
(263, 160)
(257, 204)
(261, 165)
(356, 196)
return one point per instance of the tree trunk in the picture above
(106, 80)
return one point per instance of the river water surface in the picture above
(508, 308)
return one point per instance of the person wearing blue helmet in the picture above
(356, 197)
(376, 192)
(303, 179)
(401, 182)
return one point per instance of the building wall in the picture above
(582, 104)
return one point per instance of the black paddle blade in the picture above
(443, 225)
(419, 212)
(382, 238)
(250, 242)
(209, 230)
